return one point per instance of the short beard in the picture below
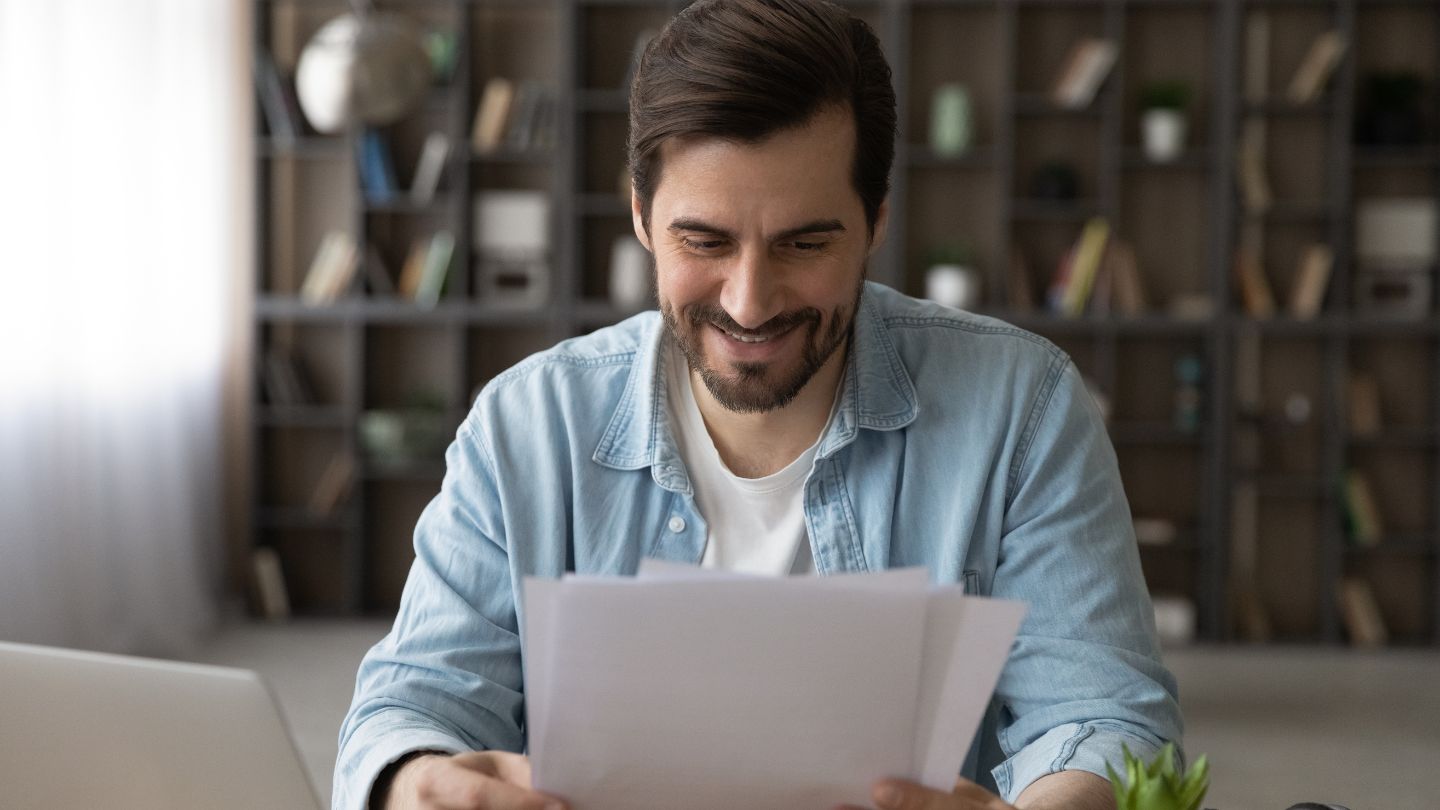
(751, 393)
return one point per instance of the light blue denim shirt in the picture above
(961, 444)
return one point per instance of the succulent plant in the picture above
(1157, 786)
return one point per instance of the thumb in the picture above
(894, 794)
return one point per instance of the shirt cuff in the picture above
(382, 739)
(1075, 747)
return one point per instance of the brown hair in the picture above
(746, 69)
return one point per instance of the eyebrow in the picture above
(700, 226)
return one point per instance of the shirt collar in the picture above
(876, 394)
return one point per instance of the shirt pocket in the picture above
(971, 580)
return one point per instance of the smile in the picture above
(749, 338)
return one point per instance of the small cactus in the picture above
(1157, 786)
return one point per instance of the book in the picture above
(377, 168)
(436, 268)
(1256, 297)
(1089, 250)
(1060, 281)
(1257, 56)
(1019, 292)
(1250, 169)
(1364, 405)
(1360, 613)
(277, 99)
(1315, 69)
(333, 267)
(1362, 514)
(491, 116)
(430, 167)
(1127, 289)
(272, 598)
(334, 484)
(413, 270)
(1085, 70)
(1311, 281)
(284, 380)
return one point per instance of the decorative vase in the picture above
(1164, 134)
(951, 121)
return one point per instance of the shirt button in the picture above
(677, 524)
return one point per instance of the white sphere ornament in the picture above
(361, 71)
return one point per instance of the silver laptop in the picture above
(83, 730)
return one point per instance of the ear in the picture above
(637, 220)
(882, 223)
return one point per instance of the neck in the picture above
(754, 445)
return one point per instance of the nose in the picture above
(752, 294)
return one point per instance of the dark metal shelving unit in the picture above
(587, 33)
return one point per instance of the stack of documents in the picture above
(695, 689)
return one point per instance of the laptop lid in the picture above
(81, 729)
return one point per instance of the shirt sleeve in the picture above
(448, 676)
(1084, 677)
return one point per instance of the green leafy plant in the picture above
(1166, 95)
(1157, 786)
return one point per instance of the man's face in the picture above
(760, 256)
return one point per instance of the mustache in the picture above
(700, 314)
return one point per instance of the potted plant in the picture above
(951, 278)
(1158, 786)
(1390, 114)
(1162, 119)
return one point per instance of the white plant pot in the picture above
(953, 285)
(1164, 134)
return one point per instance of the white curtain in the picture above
(120, 189)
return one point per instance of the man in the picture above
(778, 415)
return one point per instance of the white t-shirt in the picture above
(755, 525)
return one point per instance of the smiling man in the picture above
(778, 415)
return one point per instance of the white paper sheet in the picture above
(685, 688)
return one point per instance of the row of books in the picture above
(1099, 275)
(422, 278)
(1307, 293)
(376, 164)
(517, 116)
(1090, 61)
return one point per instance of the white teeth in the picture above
(747, 339)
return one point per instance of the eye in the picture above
(808, 247)
(701, 245)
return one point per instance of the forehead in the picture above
(802, 167)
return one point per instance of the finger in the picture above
(502, 765)
(455, 786)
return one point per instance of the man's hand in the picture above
(481, 780)
(896, 794)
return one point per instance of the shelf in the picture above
(304, 148)
(977, 158)
(593, 314)
(410, 471)
(374, 310)
(297, 517)
(1288, 485)
(1145, 325)
(1396, 157)
(1122, 432)
(1416, 544)
(1054, 210)
(1195, 159)
(1418, 437)
(302, 416)
(602, 205)
(603, 101)
(1294, 211)
(1041, 104)
(403, 205)
(1282, 108)
(515, 157)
